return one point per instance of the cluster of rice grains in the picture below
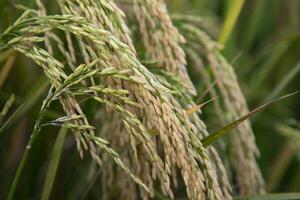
(145, 127)
(242, 142)
(162, 42)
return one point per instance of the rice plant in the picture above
(148, 99)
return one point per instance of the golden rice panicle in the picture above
(54, 70)
(103, 22)
(234, 106)
(161, 39)
(103, 14)
(115, 178)
(176, 147)
(213, 154)
(244, 137)
(152, 17)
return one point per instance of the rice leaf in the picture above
(13, 116)
(53, 165)
(225, 130)
(30, 100)
(285, 81)
(230, 20)
(7, 106)
(7, 67)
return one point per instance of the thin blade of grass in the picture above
(226, 129)
(230, 21)
(255, 22)
(282, 162)
(197, 107)
(6, 107)
(265, 70)
(12, 189)
(284, 82)
(29, 101)
(5, 54)
(8, 121)
(7, 67)
(54, 162)
(20, 168)
(90, 184)
(206, 91)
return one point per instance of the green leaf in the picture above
(226, 129)
(7, 67)
(53, 165)
(285, 81)
(13, 116)
(30, 100)
(6, 107)
(230, 20)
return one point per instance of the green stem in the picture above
(34, 134)
(230, 21)
(23, 161)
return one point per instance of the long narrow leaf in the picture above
(6, 68)
(53, 165)
(29, 101)
(230, 20)
(223, 131)
(285, 81)
(6, 107)
(8, 121)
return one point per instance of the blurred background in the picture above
(263, 47)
